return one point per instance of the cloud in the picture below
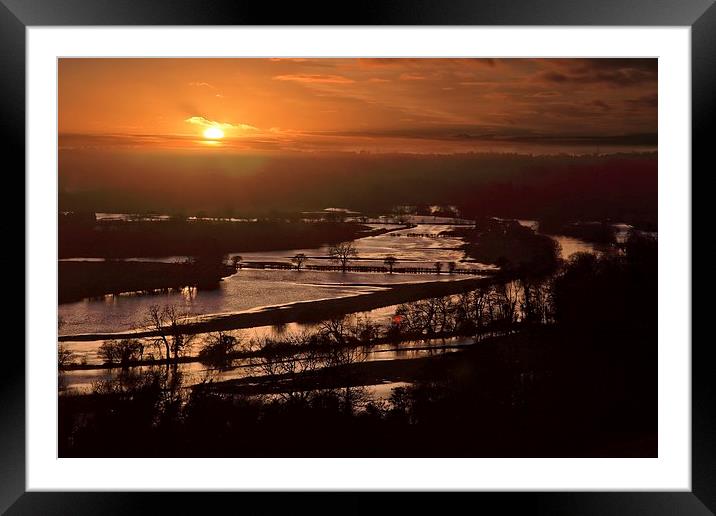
(585, 65)
(423, 62)
(599, 104)
(207, 85)
(612, 72)
(390, 62)
(202, 84)
(645, 101)
(551, 76)
(205, 122)
(412, 77)
(545, 94)
(314, 78)
(626, 140)
(498, 134)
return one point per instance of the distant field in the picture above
(127, 239)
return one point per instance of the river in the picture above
(251, 289)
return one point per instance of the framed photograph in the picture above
(421, 248)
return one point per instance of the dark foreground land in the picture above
(529, 395)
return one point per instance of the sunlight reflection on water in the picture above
(251, 288)
(196, 372)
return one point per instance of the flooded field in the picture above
(419, 246)
(254, 289)
(251, 290)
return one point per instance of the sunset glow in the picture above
(268, 134)
(422, 106)
(213, 133)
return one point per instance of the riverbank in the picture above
(80, 280)
(308, 311)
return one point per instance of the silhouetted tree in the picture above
(343, 253)
(401, 214)
(289, 358)
(299, 260)
(390, 262)
(165, 322)
(218, 349)
(236, 261)
(438, 266)
(122, 352)
(64, 356)
(451, 267)
(342, 336)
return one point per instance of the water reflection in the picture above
(194, 373)
(252, 289)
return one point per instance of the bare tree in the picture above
(472, 309)
(402, 219)
(166, 323)
(343, 253)
(335, 330)
(451, 267)
(219, 348)
(390, 262)
(64, 356)
(445, 312)
(505, 297)
(156, 321)
(236, 261)
(401, 215)
(299, 260)
(341, 338)
(536, 306)
(293, 362)
(438, 266)
(286, 360)
(419, 316)
(123, 352)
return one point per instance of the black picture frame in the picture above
(700, 15)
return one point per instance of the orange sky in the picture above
(374, 105)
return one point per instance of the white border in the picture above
(670, 471)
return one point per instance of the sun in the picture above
(213, 133)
